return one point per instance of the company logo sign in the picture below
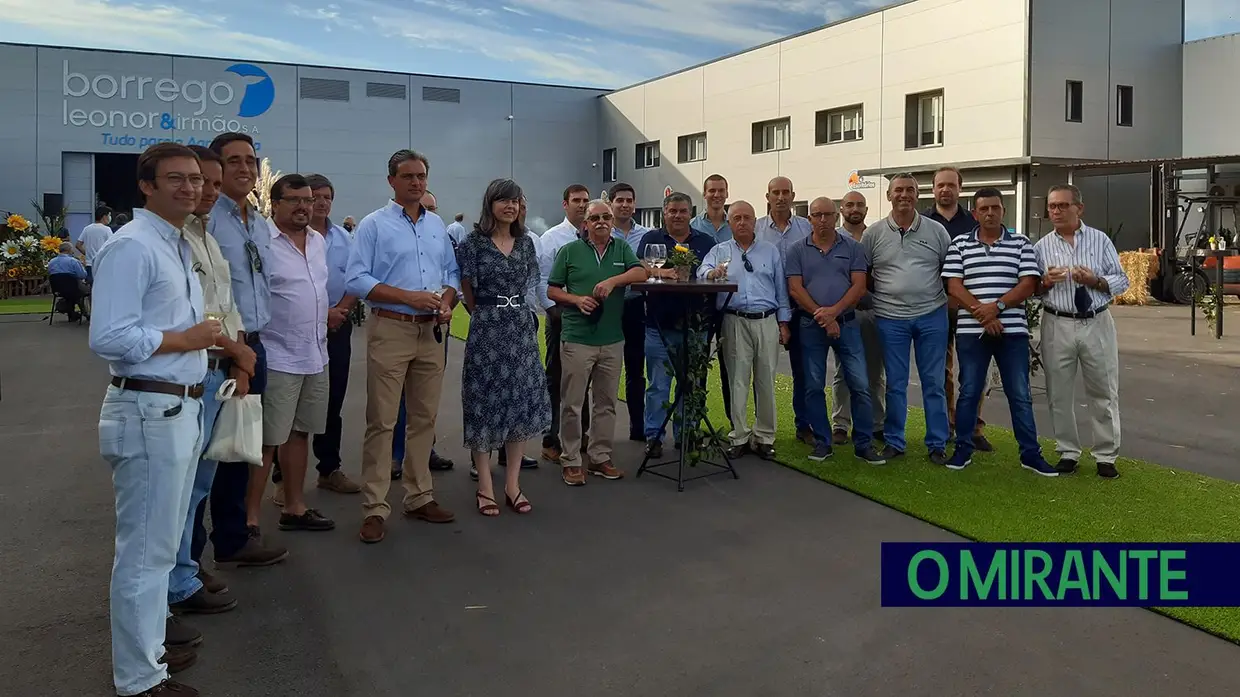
(189, 105)
(857, 182)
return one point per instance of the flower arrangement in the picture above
(26, 255)
(683, 260)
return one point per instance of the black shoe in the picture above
(397, 473)
(878, 435)
(1066, 465)
(960, 459)
(889, 453)
(821, 452)
(204, 603)
(1107, 470)
(177, 659)
(637, 436)
(735, 452)
(869, 455)
(311, 521)
(254, 553)
(766, 451)
(170, 688)
(654, 449)
(1041, 467)
(440, 463)
(980, 443)
(528, 463)
(938, 457)
(178, 634)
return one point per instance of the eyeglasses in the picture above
(299, 200)
(598, 216)
(820, 214)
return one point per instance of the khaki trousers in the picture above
(1093, 345)
(400, 356)
(599, 368)
(751, 350)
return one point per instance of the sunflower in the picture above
(681, 248)
(12, 273)
(50, 244)
(18, 223)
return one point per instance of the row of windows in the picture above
(338, 91)
(839, 125)
(1074, 103)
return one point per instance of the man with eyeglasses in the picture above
(403, 264)
(755, 325)
(783, 228)
(585, 278)
(244, 239)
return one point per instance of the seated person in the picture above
(66, 265)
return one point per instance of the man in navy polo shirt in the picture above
(948, 212)
(826, 277)
(668, 313)
(991, 273)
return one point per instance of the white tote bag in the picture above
(238, 434)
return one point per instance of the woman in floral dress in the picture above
(503, 386)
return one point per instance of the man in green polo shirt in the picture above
(583, 280)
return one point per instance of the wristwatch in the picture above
(1001, 305)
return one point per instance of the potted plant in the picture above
(683, 261)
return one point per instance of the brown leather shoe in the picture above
(839, 437)
(606, 471)
(551, 453)
(169, 688)
(178, 634)
(178, 658)
(340, 483)
(213, 583)
(432, 513)
(373, 529)
(573, 476)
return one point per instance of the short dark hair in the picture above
(499, 190)
(288, 181)
(714, 177)
(460, 217)
(206, 154)
(574, 188)
(217, 145)
(617, 188)
(102, 211)
(318, 181)
(148, 161)
(401, 156)
(678, 197)
(987, 192)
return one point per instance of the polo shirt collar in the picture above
(891, 223)
(839, 239)
(975, 236)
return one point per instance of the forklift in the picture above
(1181, 277)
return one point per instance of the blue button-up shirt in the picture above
(144, 286)
(66, 263)
(702, 224)
(339, 245)
(245, 247)
(391, 248)
(764, 288)
(798, 229)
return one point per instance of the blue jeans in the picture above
(659, 370)
(229, 532)
(398, 436)
(184, 579)
(152, 441)
(850, 352)
(927, 336)
(1011, 353)
(796, 363)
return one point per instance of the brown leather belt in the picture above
(139, 385)
(402, 317)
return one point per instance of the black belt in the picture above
(251, 338)
(750, 315)
(498, 300)
(218, 363)
(1089, 314)
(139, 385)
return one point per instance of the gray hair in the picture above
(678, 197)
(598, 202)
(401, 156)
(66, 248)
(1071, 188)
(902, 175)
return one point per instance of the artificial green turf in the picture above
(25, 305)
(995, 500)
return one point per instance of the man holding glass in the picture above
(755, 325)
(1081, 275)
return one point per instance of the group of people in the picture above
(201, 292)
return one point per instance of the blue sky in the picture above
(606, 43)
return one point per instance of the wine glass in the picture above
(723, 257)
(656, 255)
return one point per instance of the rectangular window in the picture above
(838, 125)
(1074, 101)
(609, 165)
(771, 136)
(691, 148)
(647, 155)
(923, 120)
(650, 217)
(1123, 105)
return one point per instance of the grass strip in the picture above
(994, 500)
(25, 305)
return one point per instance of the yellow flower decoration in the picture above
(50, 244)
(681, 248)
(18, 223)
(12, 273)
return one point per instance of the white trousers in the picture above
(1091, 344)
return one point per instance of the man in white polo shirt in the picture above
(991, 272)
(92, 238)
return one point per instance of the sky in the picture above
(597, 43)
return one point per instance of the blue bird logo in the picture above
(259, 94)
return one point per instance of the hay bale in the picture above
(1140, 267)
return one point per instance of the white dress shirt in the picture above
(547, 246)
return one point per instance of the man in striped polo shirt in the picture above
(990, 273)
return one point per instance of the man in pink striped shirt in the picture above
(295, 401)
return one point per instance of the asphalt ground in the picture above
(766, 585)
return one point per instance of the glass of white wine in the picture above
(723, 257)
(656, 256)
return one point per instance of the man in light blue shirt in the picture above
(782, 228)
(244, 238)
(623, 205)
(72, 297)
(403, 264)
(714, 220)
(755, 325)
(150, 326)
